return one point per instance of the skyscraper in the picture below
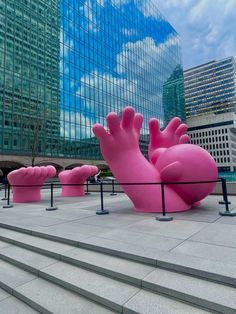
(210, 97)
(66, 64)
(211, 88)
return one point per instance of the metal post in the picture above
(51, 207)
(225, 194)
(113, 188)
(87, 188)
(5, 197)
(163, 217)
(102, 211)
(227, 212)
(8, 205)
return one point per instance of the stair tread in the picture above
(13, 276)
(146, 302)
(180, 262)
(13, 305)
(118, 292)
(44, 295)
(103, 286)
(161, 280)
(110, 291)
(57, 299)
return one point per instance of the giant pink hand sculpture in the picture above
(78, 175)
(27, 177)
(168, 155)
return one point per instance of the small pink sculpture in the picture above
(171, 160)
(78, 175)
(27, 177)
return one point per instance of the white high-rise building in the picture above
(210, 101)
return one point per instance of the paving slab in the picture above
(219, 234)
(109, 292)
(153, 241)
(114, 266)
(3, 294)
(55, 299)
(220, 271)
(41, 245)
(227, 220)
(145, 302)
(11, 276)
(76, 228)
(137, 252)
(178, 229)
(207, 251)
(113, 221)
(11, 234)
(204, 293)
(12, 305)
(28, 258)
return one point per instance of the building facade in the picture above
(210, 98)
(66, 64)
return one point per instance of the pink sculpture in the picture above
(171, 160)
(78, 175)
(25, 178)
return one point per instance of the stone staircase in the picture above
(48, 274)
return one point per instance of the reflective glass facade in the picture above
(66, 63)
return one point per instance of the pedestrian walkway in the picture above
(132, 252)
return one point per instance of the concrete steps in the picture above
(122, 285)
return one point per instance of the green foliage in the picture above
(106, 173)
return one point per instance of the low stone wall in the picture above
(231, 188)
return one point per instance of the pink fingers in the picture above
(127, 121)
(173, 125)
(184, 139)
(99, 131)
(182, 128)
(138, 121)
(154, 130)
(113, 122)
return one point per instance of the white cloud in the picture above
(129, 32)
(206, 28)
(74, 125)
(119, 3)
(90, 23)
(101, 92)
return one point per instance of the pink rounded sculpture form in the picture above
(25, 178)
(171, 159)
(78, 175)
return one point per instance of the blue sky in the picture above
(207, 28)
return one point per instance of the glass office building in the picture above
(65, 64)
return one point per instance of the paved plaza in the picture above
(200, 232)
(199, 242)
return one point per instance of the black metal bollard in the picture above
(102, 211)
(8, 205)
(5, 188)
(51, 205)
(87, 188)
(113, 188)
(227, 212)
(163, 217)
